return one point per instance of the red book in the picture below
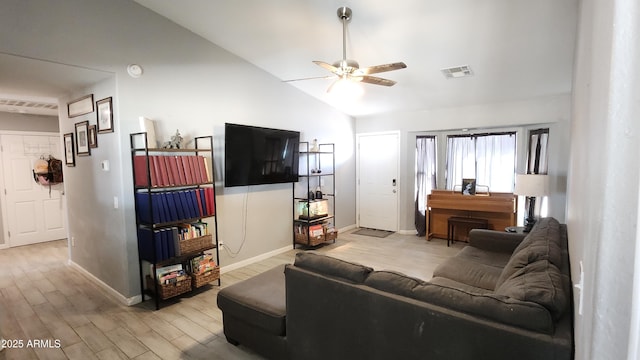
(153, 171)
(203, 169)
(199, 200)
(173, 166)
(181, 176)
(210, 199)
(167, 165)
(184, 163)
(192, 168)
(157, 170)
(164, 173)
(140, 170)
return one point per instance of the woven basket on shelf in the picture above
(198, 280)
(170, 290)
(331, 236)
(315, 240)
(195, 244)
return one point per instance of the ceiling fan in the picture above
(348, 69)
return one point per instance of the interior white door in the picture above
(33, 213)
(378, 182)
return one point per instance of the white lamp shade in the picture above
(531, 185)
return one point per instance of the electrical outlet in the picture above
(73, 241)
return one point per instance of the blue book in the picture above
(194, 203)
(144, 207)
(165, 207)
(178, 205)
(185, 205)
(171, 204)
(203, 201)
(156, 207)
(173, 242)
(164, 243)
(148, 243)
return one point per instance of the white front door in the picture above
(33, 213)
(378, 182)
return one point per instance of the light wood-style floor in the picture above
(42, 298)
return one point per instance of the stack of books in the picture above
(171, 170)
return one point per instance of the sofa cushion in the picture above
(354, 273)
(540, 282)
(392, 282)
(464, 298)
(468, 272)
(542, 243)
(259, 300)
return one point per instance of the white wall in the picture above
(603, 187)
(188, 84)
(552, 112)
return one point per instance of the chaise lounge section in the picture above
(504, 296)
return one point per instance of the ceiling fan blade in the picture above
(380, 68)
(311, 78)
(377, 81)
(326, 66)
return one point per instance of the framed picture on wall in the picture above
(69, 155)
(468, 186)
(82, 138)
(105, 115)
(81, 106)
(93, 137)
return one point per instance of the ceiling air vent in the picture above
(28, 107)
(457, 72)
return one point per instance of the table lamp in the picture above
(531, 186)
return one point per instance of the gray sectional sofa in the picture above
(505, 296)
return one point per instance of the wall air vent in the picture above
(457, 72)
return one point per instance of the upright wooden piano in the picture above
(498, 208)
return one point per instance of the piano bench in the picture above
(467, 222)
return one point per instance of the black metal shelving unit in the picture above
(317, 172)
(203, 145)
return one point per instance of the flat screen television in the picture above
(256, 155)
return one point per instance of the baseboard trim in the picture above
(408, 232)
(346, 228)
(111, 291)
(243, 263)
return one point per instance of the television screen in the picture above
(256, 155)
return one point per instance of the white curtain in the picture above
(490, 159)
(425, 168)
(496, 160)
(461, 160)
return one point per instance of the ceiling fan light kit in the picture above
(348, 70)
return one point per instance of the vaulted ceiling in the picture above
(516, 49)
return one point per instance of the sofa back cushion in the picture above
(540, 282)
(542, 243)
(466, 299)
(354, 273)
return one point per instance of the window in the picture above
(488, 158)
(425, 169)
(537, 154)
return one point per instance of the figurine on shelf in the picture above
(175, 142)
(314, 146)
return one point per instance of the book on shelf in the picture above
(177, 205)
(316, 230)
(170, 274)
(202, 264)
(171, 170)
